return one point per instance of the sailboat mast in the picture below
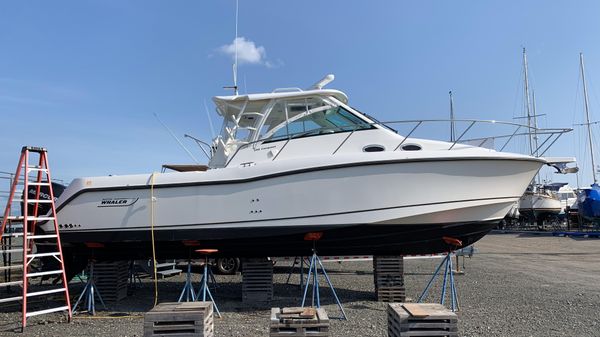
(452, 134)
(535, 137)
(528, 102)
(535, 125)
(587, 116)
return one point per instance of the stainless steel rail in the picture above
(551, 135)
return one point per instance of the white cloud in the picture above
(274, 64)
(248, 51)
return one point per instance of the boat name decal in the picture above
(117, 202)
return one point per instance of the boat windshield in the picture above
(309, 117)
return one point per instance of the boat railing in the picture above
(545, 137)
(290, 89)
(549, 135)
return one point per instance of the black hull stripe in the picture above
(290, 218)
(361, 239)
(287, 173)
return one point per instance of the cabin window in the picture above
(411, 147)
(374, 148)
(309, 117)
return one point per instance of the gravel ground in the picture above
(514, 286)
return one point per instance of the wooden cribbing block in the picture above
(388, 278)
(421, 319)
(187, 319)
(416, 310)
(111, 279)
(299, 322)
(257, 281)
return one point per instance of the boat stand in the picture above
(313, 270)
(188, 288)
(448, 280)
(90, 291)
(293, 266)
(135, 281)
(204, 289)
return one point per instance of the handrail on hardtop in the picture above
(552, 134)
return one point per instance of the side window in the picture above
(276, 118)
(303, 125)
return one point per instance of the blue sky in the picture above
(84, 78)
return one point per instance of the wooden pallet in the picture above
(187, 319)
(388, 267)
(421, 319)
(384, 281)
(111, 278)
(389, 263)
(388, 278)
(257, 280)
(391, 294)
(299, 322)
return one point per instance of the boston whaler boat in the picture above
(294, 162)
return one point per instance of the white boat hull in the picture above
(385, 196)
(539, 205)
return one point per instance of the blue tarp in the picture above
(589, 202)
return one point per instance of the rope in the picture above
(153, 243)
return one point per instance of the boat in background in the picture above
(588, 202)
(566, 194)
(537, 203)
(589, 198)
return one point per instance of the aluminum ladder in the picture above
(18, 236)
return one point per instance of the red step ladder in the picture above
(18, 235)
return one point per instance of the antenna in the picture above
(212, 129)
(235, 64)
(235, 61)
(176, 139)
(452, 134)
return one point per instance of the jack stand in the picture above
(458, 271)
(287, 281)
(188, 288)
(313, 270)
(135, 281)
(90, 291)
(448, 277)
(301, 271)
(204, 280)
